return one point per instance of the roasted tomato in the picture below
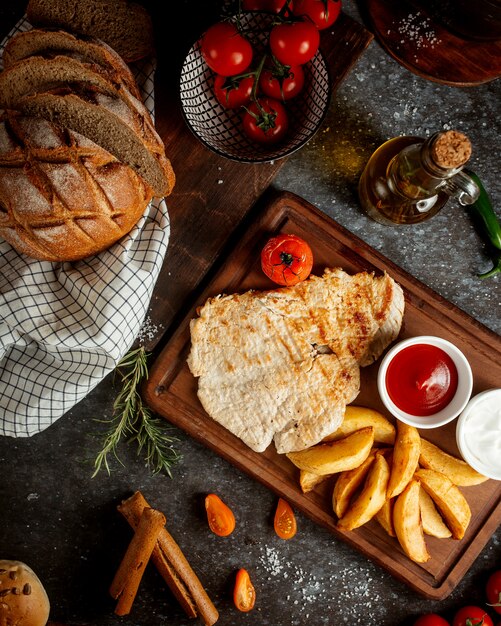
(284, 522)
(287, 259)
(219, 515)
(244, 594)
(493, 591)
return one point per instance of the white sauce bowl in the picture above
(478, 433)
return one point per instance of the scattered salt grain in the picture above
(419, 30)
(148, 331)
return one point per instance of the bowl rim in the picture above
(264, 158)
(461, 444)
(460, 399)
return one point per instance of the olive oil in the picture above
(409, 179)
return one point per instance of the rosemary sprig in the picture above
(133, 420)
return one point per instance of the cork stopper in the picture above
(451, 149)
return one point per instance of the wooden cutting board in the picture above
(171, 389)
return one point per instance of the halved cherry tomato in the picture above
(272, 6)
(493, 591)
(294, 43)
(284, 522)
(219, 515)
(225, 50)
(283, 82)
(287, 259)
(265, 121)
(244, 594)
(431, 619)
(471, 616)
(233, 92)
(323, 13)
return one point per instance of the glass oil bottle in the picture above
(409, 179)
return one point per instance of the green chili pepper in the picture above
(491, 227)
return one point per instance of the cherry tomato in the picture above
(431, 619)
(493, 591)
(282, 84)
(265, 121)
(244, 594)
(225, 50)
(323, 13)
(284, 522)
(232, 93)
(219, 515)
(471, 616)
(294, 43)
(287, 259)
(272, 6)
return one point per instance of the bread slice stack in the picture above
(80, 158)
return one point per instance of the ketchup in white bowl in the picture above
(425, 381)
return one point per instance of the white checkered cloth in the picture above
(65, 326)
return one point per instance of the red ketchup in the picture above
(421, 379)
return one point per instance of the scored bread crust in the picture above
(108, 122)
(125, 26)
(62, 197)
(49, 43)
(282, 365)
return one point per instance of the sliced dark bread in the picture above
(49, 43)
(108, 122)
(125, 26)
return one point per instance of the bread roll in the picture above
(23, 599)
(62, 197)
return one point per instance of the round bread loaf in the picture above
(62, 197)
(23, 599)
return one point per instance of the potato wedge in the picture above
(357, 417)
(371, 498)
(459, 472)
(407, 523)
(385, 517)
(449, 500)
(405, 458)
(347, 484)
(309, 480)
(432, 521)
(335, 456)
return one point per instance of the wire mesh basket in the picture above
(221, 129)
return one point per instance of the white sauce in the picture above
(479, 433)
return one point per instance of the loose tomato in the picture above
(282, 82)
(471, 616)
(271, 6)
(323, 13)
(232, 93)
(294, 43)
(265, 121)
(225, 50)
(219, 515)
(244, 594)
(431, 619)
(493, 591)
(287, 259)
(284, 522)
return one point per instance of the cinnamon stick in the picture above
(128, 576)
(173, 565)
